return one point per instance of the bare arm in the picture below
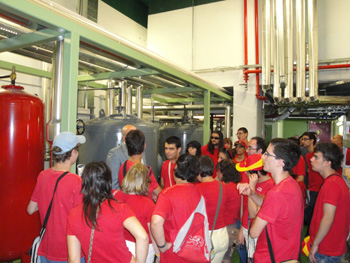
(139, 233)
(258, 226)
(325, 225)
(154, 244)
(155, 193)
(32, 207)
(252, 208)
(74, 249)
(245, 189)
(161, 182)
(157, 230)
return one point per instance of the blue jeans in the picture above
(45, 260)
(326, 259)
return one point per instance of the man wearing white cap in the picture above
(65, 151)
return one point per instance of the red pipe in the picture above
(245, 40)
(335, 66)
(257, 52)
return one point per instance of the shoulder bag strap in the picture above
(92, 236)
(217, 208)
(272, 257)
(50, 206)
(169, 173)
(124, 168)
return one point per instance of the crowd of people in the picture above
(257, 198)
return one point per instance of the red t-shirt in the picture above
(54, 244)
(334, 191)
(168, 178)
(233, 204)
(214, 156)
(315, 179)
(299, 169)
(175, 204)
(264, 187)
(237, 162)
(153, 185)
(143, 208)
(244, 219)
(109, 241)
(283, 209)
(210, 191)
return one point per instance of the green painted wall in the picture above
(294, 127)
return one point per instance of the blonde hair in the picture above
(136, 180)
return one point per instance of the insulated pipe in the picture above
(228, 121)
(288, 92)
(110, 98)
(86, 101)
(274, 46)
(129, 101)
(122, 97)
(266, 43)
(257, 93)
(300, 50)
(245, 25)
(139, 101)
(54, 126)
(313, 49)
(181, 107)
(279, 13)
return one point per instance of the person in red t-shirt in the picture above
(242, 134)
(227, 173)
(241, 154)
(65, 151)
(172, 152)
(135, 143)
(210, 188)
(262, 183)
(281, 213)
(330, 222)
(212, 148)
(314, 178)
(102, 219)
(134, 192)
(174, 206)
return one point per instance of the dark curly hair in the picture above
(229, 172)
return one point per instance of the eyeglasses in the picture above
(239, 133)
(216, 138)
(305, 139)
(269, 154)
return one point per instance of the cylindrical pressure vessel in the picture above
(21, 160)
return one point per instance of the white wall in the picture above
(121, 25)
(216, 39)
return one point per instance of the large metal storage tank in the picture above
(103, 134)
(21, 160)
(185, 131)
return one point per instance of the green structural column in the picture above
(206, 125)
(70, 83)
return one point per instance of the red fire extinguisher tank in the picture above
(21, 160)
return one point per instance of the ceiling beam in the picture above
(25, 69)
(171, 90)
(29, 39)
(118, 74)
